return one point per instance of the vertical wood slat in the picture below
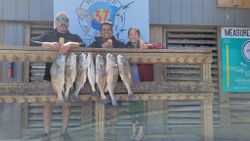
(86, 117)
(155, 117)
(208, 120)
(156, 35)
(100, 121)
(225, 115)
(1, 42)
(9, 9)
(206, 72)
(219, 62)
(25, 115)
(26, 71)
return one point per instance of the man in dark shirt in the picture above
(107, 40)
(61, 40)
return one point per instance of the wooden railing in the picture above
(41, 92)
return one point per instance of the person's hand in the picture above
(53, 45)
(65, 47)
(107, 45)
(144, 46)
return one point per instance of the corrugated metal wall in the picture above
(196, 12)
(183, 12)
(26, 10)
(10, 121)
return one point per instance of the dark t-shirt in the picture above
(99, 41)
(53, 36)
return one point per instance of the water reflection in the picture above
(155, 120)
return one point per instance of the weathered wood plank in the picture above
(119, 97)
(234, 3)
(189, 41)
(26, 66)
(191, 35)
(145, 87)
(181, 56)
(193, 30)
(206, 72)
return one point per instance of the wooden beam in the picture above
(120, 97)
(167, 56)
(32, 88)
(234, 3)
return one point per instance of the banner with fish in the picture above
(87, 15)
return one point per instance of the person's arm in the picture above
(42, 41)
(67, 46)
(75, 43)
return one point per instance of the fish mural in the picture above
(92, 14)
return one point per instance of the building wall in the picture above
(176, 12)
(10, 113)
(26, 10)
(196, 12)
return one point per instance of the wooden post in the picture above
(206, 72)
(208, 120)
(26, 67)
(156, 35)
(1, 42)
(100, 121)
(86, 114)
(225, 115)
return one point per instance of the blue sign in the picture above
(87, 15)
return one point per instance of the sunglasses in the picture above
(59, 19)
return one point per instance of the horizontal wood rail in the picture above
(42, 92)
(166, 56)
(181, 90)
